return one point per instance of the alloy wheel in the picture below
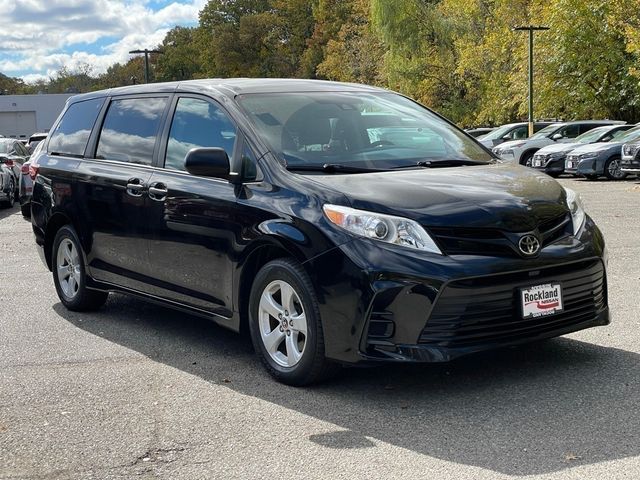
(614, 169)
(282, 323)
(68, 268)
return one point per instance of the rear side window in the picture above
(589, 126)
(130, 128)
(198, 123)
(72, 133)
(572, 131)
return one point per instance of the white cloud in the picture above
(36, 35)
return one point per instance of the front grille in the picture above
(630, 149)
(540, 160)
(488, 310)
(496, 242)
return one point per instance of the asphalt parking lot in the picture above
(138, 391)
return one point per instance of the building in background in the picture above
(22, 115)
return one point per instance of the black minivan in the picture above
(339, 223)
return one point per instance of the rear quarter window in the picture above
(72, 132)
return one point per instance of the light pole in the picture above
(530, 29)
(146, 61)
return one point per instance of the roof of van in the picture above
(234, 86)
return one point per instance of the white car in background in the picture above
(522, 151)
(510, 131)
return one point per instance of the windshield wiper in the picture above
(333, 168)
(453, 162)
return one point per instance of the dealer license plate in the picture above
(541, 300)
(571, 164)
(537, 162)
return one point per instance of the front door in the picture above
(194, 220)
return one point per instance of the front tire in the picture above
(526, 159)
(285, 326)
(69, 273)
(612, 169)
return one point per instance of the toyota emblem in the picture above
(529, 245)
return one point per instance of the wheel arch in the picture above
(258, 255)
(55, 223)
(530, 151)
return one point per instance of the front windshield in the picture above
(592, 135)
(630, 135)
(356, 129)
(497, 133)
(546, 131)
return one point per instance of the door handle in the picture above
(135, 187)
(158, 191)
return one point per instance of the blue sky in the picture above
(38, 37)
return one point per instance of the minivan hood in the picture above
(503, 196)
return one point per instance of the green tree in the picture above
(119, 75)
(356, 53)
(180, 56)
(421, 56)
(584, 63)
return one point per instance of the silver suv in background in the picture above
(510, 131)
(630, 161)
(522, 151)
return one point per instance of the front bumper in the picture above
(630, 166)
(554, 166)
(378, 303)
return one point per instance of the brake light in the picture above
(33, 171)
(9, 163)
(25, 168)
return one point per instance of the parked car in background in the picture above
(34, 140)
(478, 132)
(7, 186)
(551, 159)
(27, 176)
(12, 155)
(339, 223)
(510, 131)
(630, 160)
(598, 159)
(522, 151)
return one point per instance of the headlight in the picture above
(587, 156)
(574, 202)
(384, 228)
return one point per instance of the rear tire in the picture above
(26, 210)
(285, 325)
(69, 273)
(11, 197)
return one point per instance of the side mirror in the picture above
(208, 162)
(506, 137)
(556, 136)
(606, 139)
